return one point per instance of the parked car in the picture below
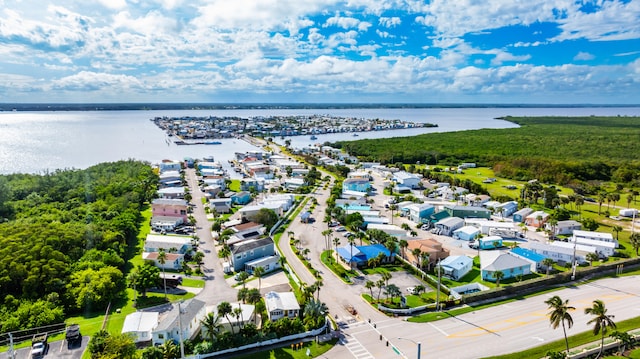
(341, 229)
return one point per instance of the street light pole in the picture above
(416, 343)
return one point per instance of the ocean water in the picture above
(34, 142)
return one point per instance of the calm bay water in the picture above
(32, 142)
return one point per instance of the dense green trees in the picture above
(584, 148)
(64, 229)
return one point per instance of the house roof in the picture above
(140, 322)
(467, 230)
(450, 221)
(456, 262)
(528, 254)
(245, 226)
(247, 313)
(281, 301)
(504, 261)
(250, 244)
(169, 201)
(166, 241)
(592, 235)
(170, 257)
(190, 309)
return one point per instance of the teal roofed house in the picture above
(468, 212)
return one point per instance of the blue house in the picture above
(420, 212)
(490, 242)
(520, 216)
(530, 256)
(456, 267)
(510, 265)
(359, 255)
(241, 198)
(466, 233)
(356, 184)
(508, 208)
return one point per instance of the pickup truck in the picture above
(39, 345)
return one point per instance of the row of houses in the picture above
(155, 327)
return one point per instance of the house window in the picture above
(160, 336)
(244, 255)
(251, 253)
(239, 256)
(266, 268)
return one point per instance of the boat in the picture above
(313, 137)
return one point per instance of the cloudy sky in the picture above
(452, 51)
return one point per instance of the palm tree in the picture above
(601, 321)
(237, 312)
(380, 285)
(403, 246)
(242, 277)
(162, 259)
(198, 258)
(132, 281)
(417, 255)
(336, 242)
(386, 276)
(361, 235)
(424, 257)
(601, 197)
(592, 257)
(370, 285)
(559, 314)
(318, 284)
(253, 297)
(224, 309)
(242, 294)
(325, 234)
(548, 262)
(259, 272)
(352, 243)
(617, 229)
(497, 275)
(315, 309)
(211, 323)
(635, 242)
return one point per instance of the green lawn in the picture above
(328, 258)
(315, 350)
(192, 283)
(234, 185)
(382, 269)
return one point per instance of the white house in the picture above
(157, 242)
(446, 226)
(604, 249)
(466, 233)
(581, 236)
(188, 318)
(281, 305)
(407, 179)
(562, 251)
(564, 227)
(140, 325)
(389, 229)
(171, 260)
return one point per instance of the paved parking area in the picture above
(57, 349)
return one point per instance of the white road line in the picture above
(438, 329)
(358, 350)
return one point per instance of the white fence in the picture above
(311, 333)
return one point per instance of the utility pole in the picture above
(180, 327)
(438, 268)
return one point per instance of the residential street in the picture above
(216, 288)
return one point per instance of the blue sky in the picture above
(451, 51)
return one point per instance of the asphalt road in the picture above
(215, 288)
(497, 330)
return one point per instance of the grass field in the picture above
(315, 350)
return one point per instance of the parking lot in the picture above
(57, 349)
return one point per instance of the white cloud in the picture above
(113, 4)
(615, 20)
(347, 23)
(389, 22)
(583, 56)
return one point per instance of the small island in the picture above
(194, 130)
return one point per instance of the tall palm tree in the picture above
(132, 281)
(242, 294)
(211, 323)
(403, 246)
(162, 259)
(617, 229)
(224, 309)
(352, 243)
(379, 285)
(601, 321)
(370, 285)
(325, 234)
(559, 315)
(237, 312)
(317, 285)
(336, 241)
(253, 297)
(497, 275)
(259, 272)
(386, 276)
(547, 262)
(417, 255)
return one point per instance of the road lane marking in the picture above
(438, 329)
(357, 349)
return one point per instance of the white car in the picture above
(411, 290)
